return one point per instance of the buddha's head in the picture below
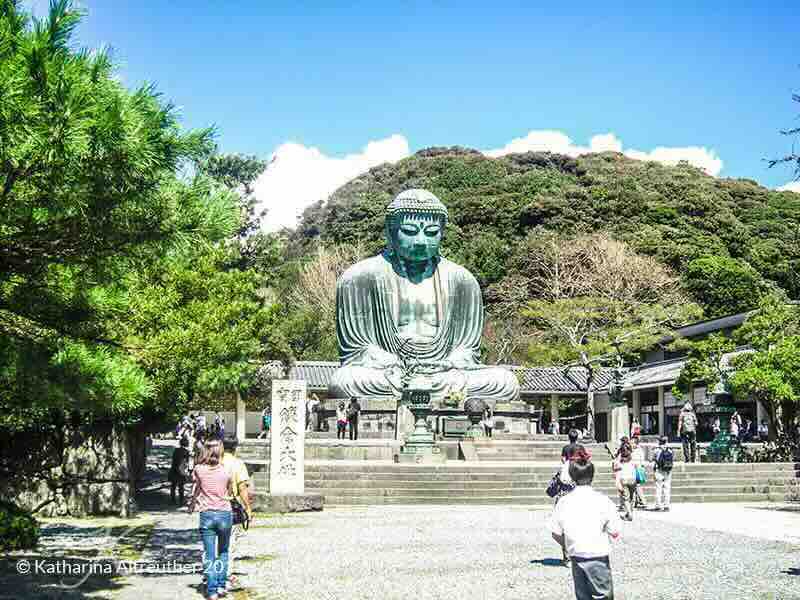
(415, 222)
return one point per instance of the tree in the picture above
(201, 329)
(309, 323)
(768, 371)
(705, 363)
(723, 285)
(592, 295)
(88, 193)
(771, 373)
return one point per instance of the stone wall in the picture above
(96, 475)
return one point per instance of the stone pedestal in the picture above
(288, 503)
(620, 423)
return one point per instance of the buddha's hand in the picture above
(437, 366)
(378, 358)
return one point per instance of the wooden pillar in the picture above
(662, 414)
(241, 418)
(636, 405)
(590, 416)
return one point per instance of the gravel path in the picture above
(483, 552)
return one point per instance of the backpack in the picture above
(665, 460)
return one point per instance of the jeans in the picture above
(353, 429)
(215, 529)
(663, 488)
(689, 439)
(341, 427)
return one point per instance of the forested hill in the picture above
(726, 232)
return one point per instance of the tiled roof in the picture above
(534, 380)
(316, 373)
(667, 371)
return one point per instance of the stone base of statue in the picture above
(420, 446)
(288, 503)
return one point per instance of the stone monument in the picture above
(287, 451)
(410, 303)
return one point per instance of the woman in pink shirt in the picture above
(211, 498)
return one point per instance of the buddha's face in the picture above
(417, 237)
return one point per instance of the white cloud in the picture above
(299, 175)
(557, 141)
(792, 186)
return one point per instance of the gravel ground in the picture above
(506, 552)
(722, 551)
(484, 552)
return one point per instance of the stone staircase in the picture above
(370, 483)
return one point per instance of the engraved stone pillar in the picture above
(286, 469)
(241, 418)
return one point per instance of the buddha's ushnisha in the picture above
(409, 302)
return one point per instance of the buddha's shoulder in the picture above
(456, 271)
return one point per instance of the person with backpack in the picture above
(179, 471)
(561, 484)
(663, 458)
(353, 412)
(687, 429)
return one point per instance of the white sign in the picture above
(288, 431)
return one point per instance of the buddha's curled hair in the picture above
(416, 201)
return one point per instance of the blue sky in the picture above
(317, 82)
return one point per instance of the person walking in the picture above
(212, 483)
(663, 458)
(266, 422)
(735, 425)
(568, 450)
(488, 422)
(687, 429)
(179, 471)
(637, 458)
(240, 493)
(626, 482)
(353, 413)
(582, 523)
(316, 413)
(636, 428)
(341, 421)
(554, 428)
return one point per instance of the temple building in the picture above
(557, 393)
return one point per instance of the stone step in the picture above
(742, 488)
(541, 475)
(532, 501)
(489, 483)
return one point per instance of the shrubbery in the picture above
(18, 528)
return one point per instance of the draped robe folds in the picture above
(367, 313)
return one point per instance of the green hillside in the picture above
(675, 214)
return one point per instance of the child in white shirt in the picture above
(582, 523)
